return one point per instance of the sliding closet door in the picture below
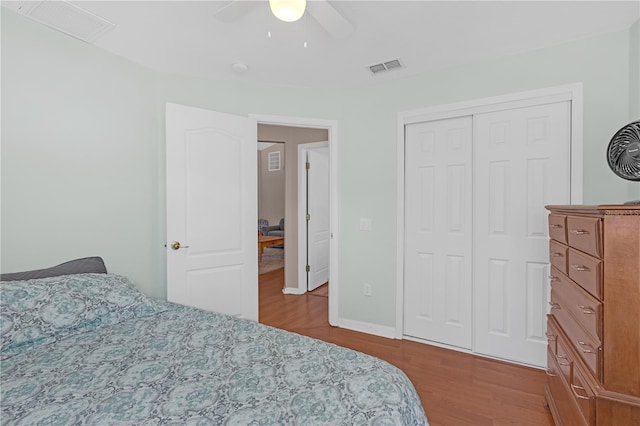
(522, 163)
(438, 234)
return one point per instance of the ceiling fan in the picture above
(332, 21)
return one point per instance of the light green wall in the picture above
(634, 91)
(369, 129)
(83, 148)
(79, 173)
(634, 71)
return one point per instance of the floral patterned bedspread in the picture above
(187, 366)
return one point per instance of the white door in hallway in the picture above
(522, 163)
(318, 229)
(211, 209)
(438, 231)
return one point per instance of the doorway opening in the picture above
(295, 132)
(271, 205)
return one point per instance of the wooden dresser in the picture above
(593, 329)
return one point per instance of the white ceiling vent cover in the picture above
(385, 66)
(70, 19)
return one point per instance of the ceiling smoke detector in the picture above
(385, 66)
(240, 68)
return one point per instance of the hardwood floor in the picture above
(455, 388)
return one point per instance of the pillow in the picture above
(78, 266)
(44, 310)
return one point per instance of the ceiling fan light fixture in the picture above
(288, 10)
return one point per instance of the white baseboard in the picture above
(293, 290)
(360, 326)
(369, 328)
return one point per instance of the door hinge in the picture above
(308, 268)
(308, 217)
(307, 165)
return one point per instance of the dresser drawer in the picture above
(558, 227)
(586, 309)
(583, 395)
(552, 334)
(564, 359)
(588, 348)
(586, 271)
(585, 234)
(558, 255)
(563, 365)
(566, 411)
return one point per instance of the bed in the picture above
(88, 348)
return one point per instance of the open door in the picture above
(318, 229)
(211, 211)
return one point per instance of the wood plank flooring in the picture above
(455, 388)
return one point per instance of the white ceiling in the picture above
(186, 37)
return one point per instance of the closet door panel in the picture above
(522, 163)
(438, 233)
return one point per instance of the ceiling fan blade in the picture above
(233, 10)
(330, 19)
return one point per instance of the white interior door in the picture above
(522, 164)
(211, 210)
(318, 230)
(438, 231)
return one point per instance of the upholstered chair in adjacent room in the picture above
(276, 230)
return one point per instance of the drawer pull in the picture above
(587, 310)
(554, 305)
(559, 357)
(556, 254)
(580, 268)
(555, 226)
(579, 231)
(574, 389)
(549, 372)
(589, 347)
(552, 278)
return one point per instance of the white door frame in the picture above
(332, 130)
(302, 222)
(570, 92)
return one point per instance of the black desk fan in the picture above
(623, 153)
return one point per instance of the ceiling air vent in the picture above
(69, 18)
(385, 66)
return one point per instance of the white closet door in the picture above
(438, 233)
(522, 163)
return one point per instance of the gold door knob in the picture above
(176, 245)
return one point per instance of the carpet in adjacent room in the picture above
(272, 259)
